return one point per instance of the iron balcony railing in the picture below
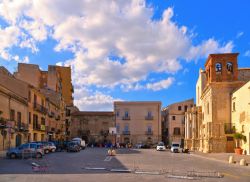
(22, 126)
(149, 132)
(126, 132)
(149, 117)
(40, 108)
(229, 128)
(126, 118)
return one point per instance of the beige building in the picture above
(138, 122)
(93, 127)
(13, 110)
(240, 109)
(174, 121)
(211, 119)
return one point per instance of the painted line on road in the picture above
(231, 175)
(108, 158)
(95, 168)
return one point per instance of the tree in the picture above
(238, 137)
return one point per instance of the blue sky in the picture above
(124, 50)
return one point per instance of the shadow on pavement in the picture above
(127, 151)
(90, 160)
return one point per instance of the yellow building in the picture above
(138, 122)
(241, 114)
(13, 111)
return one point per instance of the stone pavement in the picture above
(222, 157)
(3, 153)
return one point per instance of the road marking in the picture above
(231, 175)
(108, 158)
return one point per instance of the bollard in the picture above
(113, 153)
(231, 159)
(243, 162)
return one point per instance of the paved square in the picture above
(93, 164)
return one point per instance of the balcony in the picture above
(229, 128)
(3, 123)
(149, 117)
(40, 108)
(39, 127)
(149, 133)
(126, 118)
(22, 127)
(126, 132)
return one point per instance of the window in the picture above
(117, 113)
(173, 117)
(29, 97)
(43, 121)
(230, 67)
(149, 114)
(35, 99)
(12, 115)
(35, 137)
(179, 108)
(29, 117)
(208, 108)
(19, 117)
(126, 128)
(218, 67)
(243, 128)
(186, 107)
(234, 106)
(118, 128)
(126, 114)
(177, 131)
(149, 128)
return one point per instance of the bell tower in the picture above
(222, 67)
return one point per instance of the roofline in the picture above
(192, 99)
(93, 113)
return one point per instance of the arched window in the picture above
(230, 67)
(218, 67)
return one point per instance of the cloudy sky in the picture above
(124, 49)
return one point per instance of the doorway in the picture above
(18, 140)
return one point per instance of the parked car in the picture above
(146, 146)
(80, 142)
(138, 145)
(160, 146)
(48, 147)
(73, 146)
(176, 147)
(25, 151)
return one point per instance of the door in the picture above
(230, 144)
(18, 140)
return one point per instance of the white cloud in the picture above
(239, 34)
(92, 30)
(247, 53)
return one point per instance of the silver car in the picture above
(26, 151)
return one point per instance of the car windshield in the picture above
(175, 145)
(161, 144)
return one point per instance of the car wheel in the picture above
(12, 155)
(46, 151)
(39, 155)
(53, 150)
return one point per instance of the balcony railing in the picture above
(126, 132)
(149, 117)
(3, 123)
(126, 118)
(36, 126)
(229, 128)
(22, 126)
(40, 108)
(149, 133)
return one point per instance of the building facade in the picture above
(174, 121)
(211, 119)
(93, 127)
(138, 122)
(241, 114)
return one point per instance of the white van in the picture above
(176, 147)
(81, 142)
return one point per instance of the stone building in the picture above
(212, 116)
(138, 122)
(13, 111)
(174, 121)
(241, 114)
(93, 127)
